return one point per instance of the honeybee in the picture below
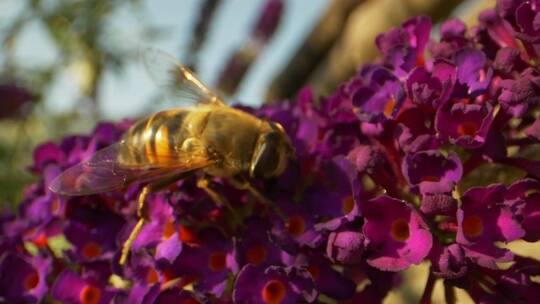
(206, 136)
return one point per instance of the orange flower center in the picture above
(400, 230)
(90, 295)
(217, 261)
(91, 250)
(256, 254)
(31, 281)
(55, 206)
(296, 225)
(347, 204)
(168, 229)
(187, 235)
(152, 276)
(420, 61)
(41, 240)
(273, 292)
(467, 128)
(473, 226)
(389, 107)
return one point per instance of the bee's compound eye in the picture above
(266, 162)
(267, 157)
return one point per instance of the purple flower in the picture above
(508, 62)
(430, 172)
(524, 199)
(430, 90)
(453, 38)
(327, 280)
(71, 288)
(93, 233)
(345, 247)
(161, 233)
(380, 97)
(520, 94)
(472, 77)
(483, 219)
(403, 48)
(499, 30)
(527, 16)
(274, 285)
(396, 235)
(23, 279)
(466, 125)
(254, 247)
(449, 261)
(208, 263)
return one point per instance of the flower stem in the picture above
(428, 290)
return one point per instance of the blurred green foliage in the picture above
(83, 39)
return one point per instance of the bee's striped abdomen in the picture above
(155, 140)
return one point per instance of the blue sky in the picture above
(128, 94)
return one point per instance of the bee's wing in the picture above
(103, 172)
(178, 81)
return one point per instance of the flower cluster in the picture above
(385, 177)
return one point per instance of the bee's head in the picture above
(271, 153)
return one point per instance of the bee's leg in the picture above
(141, 212)
(203, 183)
(241, 182)
(140, 223)
(219, 200)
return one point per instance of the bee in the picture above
(206, 136)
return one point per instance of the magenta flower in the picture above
(403, 48)
(466, 125)
(274, 285)
(483, 219)
(24, 279)
(69, 287)
(430, 172)
(396, 235)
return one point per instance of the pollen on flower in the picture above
(169, 229)
(389, 107)
(400, 230)
(273, 292)
(473, 226)
(296, 225)
(31, 280)
(90, 295)
(468, 128)
(256, 254)
(152, 276)
(217, 261)
(91, 250)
